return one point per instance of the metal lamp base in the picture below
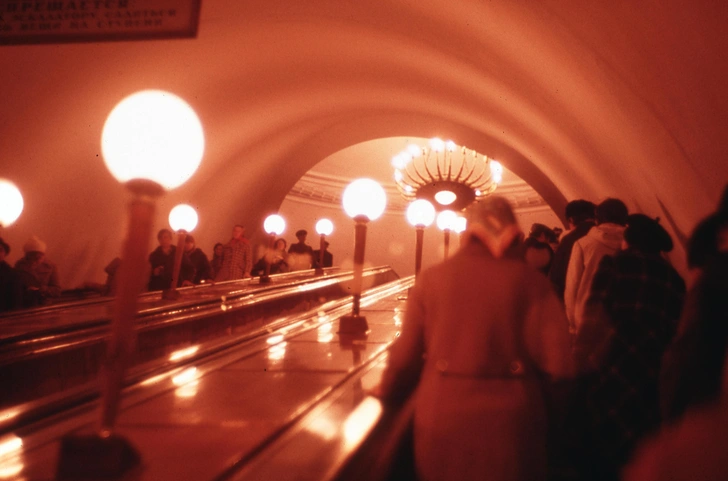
(353, 325)
(96, 457)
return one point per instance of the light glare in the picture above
(153, 135)
(446, 220)
(183, 217)
(445, 197)
(11, 203)
(274, 224)
(420, 212)
(324, 227)
(364, 197)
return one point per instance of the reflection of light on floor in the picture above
(8, 414)
(358, 424)
(183, 353)
(277, 352)
(185, 376)
(275, 339)
(324, 333)
(323, 427)
(187, 381)
(11, 463)
(188, 390)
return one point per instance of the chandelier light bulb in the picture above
(183, 217)
(451, 146)
(399, 162)
(414, 150)
(446, 220)
(324, 227)
(153, 135)
(437, 144)
(364, 197)
(445, 197)
(420, 213)
(11, 203)
(496, 170)
(274, 224)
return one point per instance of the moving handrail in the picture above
(150, 303)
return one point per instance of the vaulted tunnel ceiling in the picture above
(580, 99)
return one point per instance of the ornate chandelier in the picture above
(448, 176)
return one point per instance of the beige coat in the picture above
(467, 324)
(601, 240)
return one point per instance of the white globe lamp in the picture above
(11, 203)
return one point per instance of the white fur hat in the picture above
(34, 245)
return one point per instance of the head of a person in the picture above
(34, 249)
(611, 211)
(238, 231)
(301, 235)
(189, 243)
(164, 237)
(217, 250)
(578, 211)
(645, 234)
(280, 244)
(492, 222)
(541, 233)
(4, 249)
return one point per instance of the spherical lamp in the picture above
(153, 135)
(420, 214)
(364, 200)
(446, 222)
(183, 219)
(274, 225)
(11, 203)
(151, 141)
(324, 227)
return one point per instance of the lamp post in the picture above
(324, 227)
(151, 141)
(420, 214)
(183, 220)
(274, 225)
(364, 200)
(11, 203)
(446, 222)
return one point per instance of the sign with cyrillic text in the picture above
(61, 21)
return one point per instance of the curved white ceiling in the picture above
(580, 99)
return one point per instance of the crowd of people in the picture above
(544, 358)
(534, 357)
(33, 281)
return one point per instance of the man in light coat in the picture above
(479, 330)
(603, 239)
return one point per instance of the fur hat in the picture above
(34, 245)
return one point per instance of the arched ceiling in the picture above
(580, 99)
